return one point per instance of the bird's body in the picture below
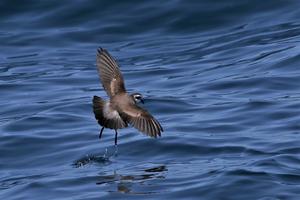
(121, 109)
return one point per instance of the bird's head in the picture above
(137, 97)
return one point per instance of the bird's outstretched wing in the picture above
(109, 72)
(142, 120)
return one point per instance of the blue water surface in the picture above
(222, 77)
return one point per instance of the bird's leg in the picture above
(100, 135)
(116, 137)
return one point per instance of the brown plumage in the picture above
(122, 108)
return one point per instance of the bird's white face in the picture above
(138, 98)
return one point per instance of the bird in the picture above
(122, 108)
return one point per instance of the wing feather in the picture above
(109, 73)
(142, 120)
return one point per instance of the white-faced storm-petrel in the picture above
(121, 109)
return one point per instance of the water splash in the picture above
(98, 159)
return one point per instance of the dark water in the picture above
(223, 78)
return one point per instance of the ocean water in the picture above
(222, 77)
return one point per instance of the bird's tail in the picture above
(98, 105)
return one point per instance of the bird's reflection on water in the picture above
(125, 183)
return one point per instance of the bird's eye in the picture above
(138, 97)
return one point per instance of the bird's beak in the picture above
(142, 100)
